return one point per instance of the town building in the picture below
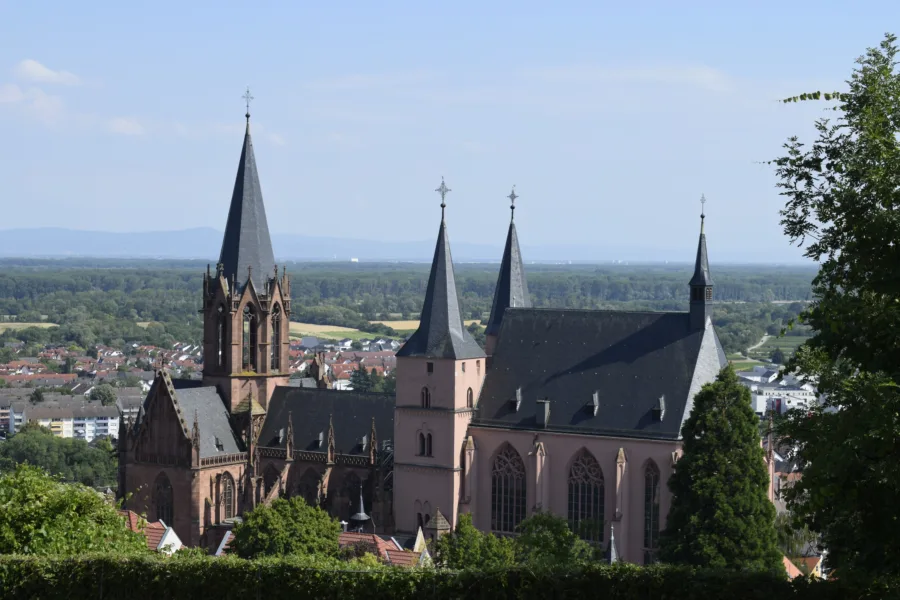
(576, 412)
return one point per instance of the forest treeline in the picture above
(102, 300)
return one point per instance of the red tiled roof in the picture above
(811, 562)
(154, 531)
(348, 537)
(403, 558)
(791, 568)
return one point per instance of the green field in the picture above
(15, 326)
(787, 344)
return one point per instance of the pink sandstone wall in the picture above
(560, 451)
(436, 479)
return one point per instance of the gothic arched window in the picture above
(228, 495)
(507, 490)
(428, 445)
(586, 497)
(470, 398)
(163, 498)
(270, 478)
(421, 444)
(308, 487)
(651, 512)
(249, 341)
(426, 398)
(220, 336)
(275, 346)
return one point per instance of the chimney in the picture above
(542, 416)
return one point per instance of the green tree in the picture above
(286, 527)
(794, 539)
(44, 516)
(468, 548)
(777, 356)
(105, 393)
(842, 202)
(721, 515)
(356, 345)
(36, 396)
(477, 332)
(545, 540)
(389, 383)
(2, 383)
(71, 459)
(360, 381)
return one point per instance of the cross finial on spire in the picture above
(512, 202)
(443, 190)
(702, 211)
(247, 100)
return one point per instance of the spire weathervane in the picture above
(443, 191)
(512, 202)
(247, 100)
(702, 211)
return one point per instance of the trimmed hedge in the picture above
(107, 578)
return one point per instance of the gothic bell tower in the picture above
(246, 303)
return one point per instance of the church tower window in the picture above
(586, 497)
(164, 499)
(249, 341)
(470, 398)
(421, 444)
(651, 512)
(275, 347)
(428, 445)
(426, 398)
(220, 337)
(228, 495)
(507, 490)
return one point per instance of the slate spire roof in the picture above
(701, 268)
(441, 333)
(512, 289)
(247, 244)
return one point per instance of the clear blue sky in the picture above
(610, 118)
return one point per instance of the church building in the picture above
(575, 412)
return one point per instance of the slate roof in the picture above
(313, 409)
(701, 266)
(247, 242)
(512, 289)
(629, 359)
(212, 417)
(441, 332)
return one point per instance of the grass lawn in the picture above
(43, 325)
(744, 365)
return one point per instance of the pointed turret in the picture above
(512, 288)
(247, 246)
(441, 333)
(701, 283)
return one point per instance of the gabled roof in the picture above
(313, 410)
(512, 289)
(247, 242)
(627, 359)
(441, 333)
(701, 266)
(212, 416)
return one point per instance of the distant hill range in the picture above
(205, 243)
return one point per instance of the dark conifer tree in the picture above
(721, 515)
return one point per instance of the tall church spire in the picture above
(247, 246)
(441, 333)
(512, 289)
(701, 283)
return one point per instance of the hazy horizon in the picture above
(610, 119)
